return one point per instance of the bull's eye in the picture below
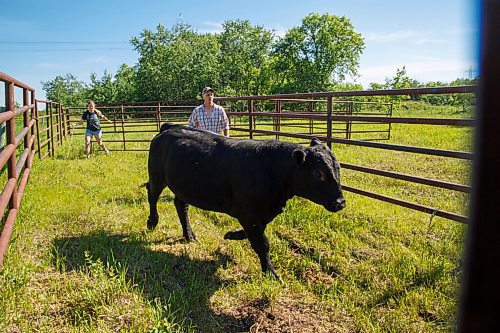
(317, 174)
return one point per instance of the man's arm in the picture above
(226, 125)
(193, 121)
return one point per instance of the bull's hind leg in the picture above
(182, 212)
(154, 192)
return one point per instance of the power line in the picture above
(66, 50)
(61, 42)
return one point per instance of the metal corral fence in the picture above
(19, 128)
(331, 117)
(300, 117)
(52, 126)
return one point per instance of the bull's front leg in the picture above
(182, 212)
(260, 244)
(154, 192)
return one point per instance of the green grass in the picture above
(81, 259)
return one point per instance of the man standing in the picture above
(209, 116)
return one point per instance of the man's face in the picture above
(91, 107)
(208, 96)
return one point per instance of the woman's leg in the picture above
(87, 144)
(101, 143)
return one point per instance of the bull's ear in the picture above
(299, 156)
(315, 142)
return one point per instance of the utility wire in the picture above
(65, 50)
(61, 42)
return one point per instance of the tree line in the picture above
(243, 59)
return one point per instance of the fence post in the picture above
(114, 120)
(64, 123)
(158, 117)
(350, 106)
(390, 124)
(311, 123)
(123, 127)
(277, 127)
(59, 123)
(329, 107)
(37, 122)
(27, 137)
(50, 132)
(250, 118)
(11, 139)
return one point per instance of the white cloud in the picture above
(394, 36)
(52, 65)
(411, 36)
(423, 70)
(212, 27)
(280, 31)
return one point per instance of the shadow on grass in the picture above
(184, 284)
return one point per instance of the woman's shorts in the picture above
(90, 133)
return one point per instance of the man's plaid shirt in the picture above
(215, 123)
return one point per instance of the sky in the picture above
(435, 40)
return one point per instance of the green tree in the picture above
(65, 89)
(126, 84)
(101, 90)
(401, 80)
(176, 63)
(243, 58)
(464, 102)
(323, 50)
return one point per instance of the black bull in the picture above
(248, 179)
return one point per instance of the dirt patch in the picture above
(283, 315)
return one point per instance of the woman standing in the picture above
(91, 116)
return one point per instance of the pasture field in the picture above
(81, 259)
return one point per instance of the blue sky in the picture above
(436, 40)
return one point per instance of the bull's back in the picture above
(196, 167)
(213, 172)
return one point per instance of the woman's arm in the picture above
(78, 123)
(100, 114)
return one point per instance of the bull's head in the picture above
(318, 176)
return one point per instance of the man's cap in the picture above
(207, 89)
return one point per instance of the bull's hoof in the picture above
(236, 235)
(271, 273)
(190, 237)
(152, 224)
